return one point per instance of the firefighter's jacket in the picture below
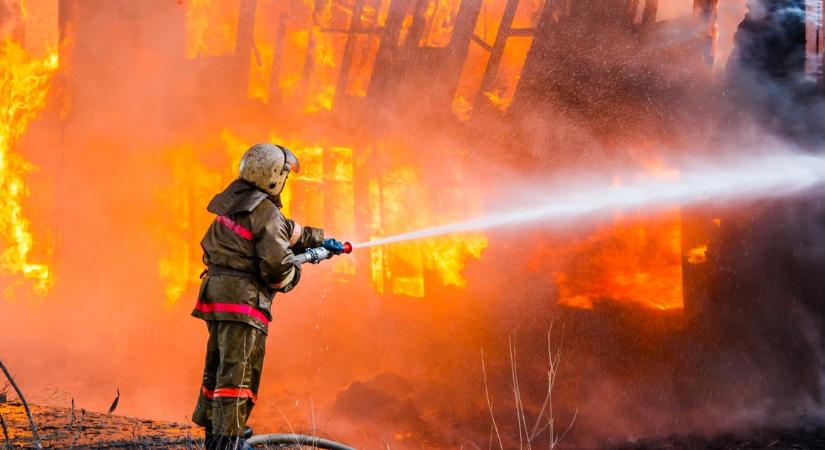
(248, 251)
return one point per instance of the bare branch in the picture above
(533, 434)
(7, 441)
(576, 414)
(489, 403)
(115, 402)
(35, 437)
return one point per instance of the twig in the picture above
(312, 414)
(35, 437)
(575, 414)
(489, 403)
(115, 402)
(72, 419)
(520, 414)
(5, 432)
(535, 432)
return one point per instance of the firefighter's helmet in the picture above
(267, 167)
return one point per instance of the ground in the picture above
(802, 437)
(58, 429)
(64, 428)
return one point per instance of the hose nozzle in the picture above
(318, 254)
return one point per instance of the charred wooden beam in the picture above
(459, 46)
(309, 56)
(349, 47)
(497, 51)
(277, 59)
(382, 68)
(245, 38)
(482, 43)
(649, 12)
(534, 62)
(417, 26)
(463, 31)
(705, 9)
(65, 12)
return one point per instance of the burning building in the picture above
(406, 114)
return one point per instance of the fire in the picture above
(187, 195)
(25, 84)
(697, 255)
(439, 21)
(636, 261)
(211, 26)
(398, 203)
(322, 195)
(501, 87)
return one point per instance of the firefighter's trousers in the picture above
(231, 376)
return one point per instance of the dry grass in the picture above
(543, 431)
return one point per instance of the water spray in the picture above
(755, 177)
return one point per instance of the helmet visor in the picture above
(291, 160)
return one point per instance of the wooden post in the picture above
(245, 39)
(382, 69)
(497, 51)
(277, 59)
(649, 13)
(459, 47)
(349, 47)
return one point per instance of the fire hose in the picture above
(318, 254)
(291, 440)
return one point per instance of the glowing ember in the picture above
(25, 83)
(698, 255)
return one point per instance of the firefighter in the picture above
(248, 252)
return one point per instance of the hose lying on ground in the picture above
(295, 439)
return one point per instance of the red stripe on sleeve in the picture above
(236, 228)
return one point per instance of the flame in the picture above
(298, 52)
(636, 261)
(697, 255)
(439, 22)
(321, 195)
(514, 54)
(211, 26)
(187, 195)
(398, 203)
(25, 84)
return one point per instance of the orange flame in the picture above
(211, 26)
(637, 262)
(324, 185)
(25, 83)
(698, 255)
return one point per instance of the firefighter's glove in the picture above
(334, 246)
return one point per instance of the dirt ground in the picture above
(79, 429)
(802, 438)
